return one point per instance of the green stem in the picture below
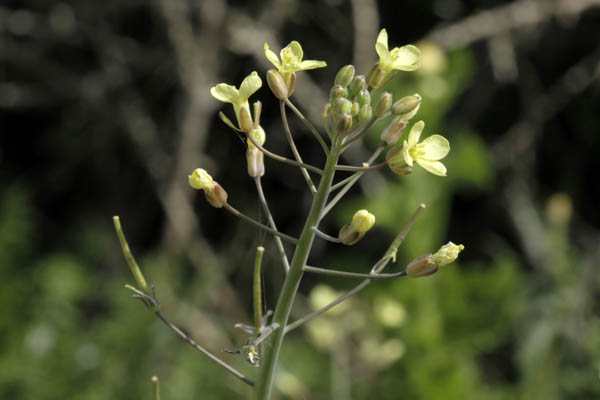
(133, 265)
(292, 280)
(258, 289)
(156, 389)
(309, 125)
(346, 274)
(265, 228)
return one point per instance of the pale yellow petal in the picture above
(435, 167)
(415, 133)
(249, 85)
(224, 92)
(271, 56)
(312, 64)
(292, 51)
(436, 147)
(381, 46)
(405, 152)
(405, 58)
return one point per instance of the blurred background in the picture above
(105, 109)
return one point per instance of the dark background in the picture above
(105, 109)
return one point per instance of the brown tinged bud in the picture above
(407, 106)
(345, 75)
(343, 125)
(341, 106)
(336, 92)
(365, 114)
(354, 231)
(214, 193)
(245, 120)
(277, 84)
(383, 105)
(393, 132)
(358, 83)
(375, 77)
(396, 162)
(422, 266)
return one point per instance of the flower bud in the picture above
(345, 75)
(214, 193)
(343, 125)
(396, 161)
(393, 132)
(383, 105)
(422, 266)
(259, 136)
(407, 106)
(291, 83)
(375, 77)
(245, 120)
(365, 114)
(357, 84)
(336, 92)
(363, 97)
(355, 109)
(447, 254)
(277, 84)
(326, 110)
(341, 106)
(353, 232)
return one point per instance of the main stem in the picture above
(292, 280)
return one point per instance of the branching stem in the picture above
(254, 222)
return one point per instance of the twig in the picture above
(278, 243)
(155, 388)
(283, 159)
(325, 236)
(359, 169)
(288, 135)
(265, 228)
(258, 318)
(308, 124)
(334, 272)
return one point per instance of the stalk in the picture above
(292, 280)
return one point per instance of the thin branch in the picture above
(288, 135)
(309, 125)
(359, 169)
(278, 243)
(325, 236)
(257, 289)
(352, 137)
(334, 272)
(283, 159)
(155, 388)
(254, 222)
(390, 255)
(351, 182)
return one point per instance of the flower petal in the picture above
(249, 85)
(381, 46)
(406, 58)
(405, 152)
(224, 92)
(271, 56)
(292, 51)
(312, 64)
(436, 147)
(435, 167)
(415, 133)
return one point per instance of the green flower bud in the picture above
(365, 114)
(343, 125)
(277, 84)
(447, 254)
(214, 193)
(393, 132)
(383, 105)
(353, 232)
(363, 97)
(345, 75)
(358, 83)
(336, 92)
(355, 109)
(407, 106)
(375, 77)
(342, 106)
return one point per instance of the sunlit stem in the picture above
(325, 236)
(278, 243)
(346, 274)
(288, 135)
(388, 256)
(351, 182)
(309, 125)
(254, 222)
(283, 159)
(258, 316)
(133, 265)
(156, 388)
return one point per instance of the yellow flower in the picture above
(353, 232)
(239, 98)
(447, 254)
(427, 153)
(291, 59)
(405, 58)
(214, 193)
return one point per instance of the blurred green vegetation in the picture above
(98, 105)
